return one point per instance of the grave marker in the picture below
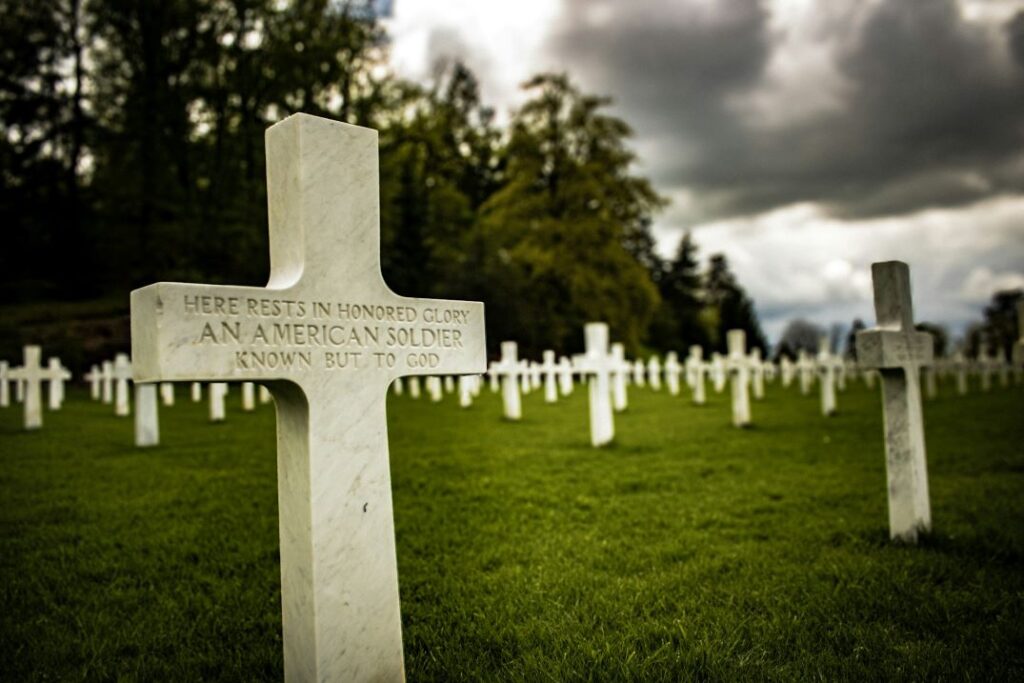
(509, 370)
(898, 351)
(122, 373)
(217, 391)
(328, 337)
(31, 376)
(94, 377)
(107, 393)
(5, 378)
(565, 376)
(621, 369)
(549, 369)
(827, 378)
(597, 364)
(248, 396)
(695, 367)
(654, 373)
(672, 371)
(147, 417)
(739, 367)
(58, 375)
(167, 393)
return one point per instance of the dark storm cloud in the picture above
(930, 111)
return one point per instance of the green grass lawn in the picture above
(688, 550)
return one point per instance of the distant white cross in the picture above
(32, 375)
(597, 363)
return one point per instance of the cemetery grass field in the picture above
(686, 551)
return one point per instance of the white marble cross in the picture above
(328, 336)
(654, 373)
(147, 416)
(525, 383)
(32, 375)
(414, 387)
(58, 375)
(718, 372)
(805, 367)
(621, 369)
(509, 370)
(122, 373)
(898, 352)
(93, 377)
(756, 373)
(466, 390)
(216, 393)
(167, 393)
(107, 384)
(398, 387)
(565, 383)
(265, 396)
(959, 364)
(196, 391)
(786, 370)
(639, 373)
(826, 378)
(248, 396)
(672, 371)
(5, 386)
(435, 388)
(695, 368)
(597, 363)
(739, 371)
(549, 368)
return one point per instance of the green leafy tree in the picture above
(556, 237)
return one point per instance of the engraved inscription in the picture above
(268, 333)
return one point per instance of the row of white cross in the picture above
(328, 337)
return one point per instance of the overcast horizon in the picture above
(804, 140)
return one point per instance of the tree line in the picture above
(132, 152)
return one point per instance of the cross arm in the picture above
(879, 348)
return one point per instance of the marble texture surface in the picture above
(327, 336)
(147, 416)
(898, 351)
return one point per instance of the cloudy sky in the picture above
(803, 138)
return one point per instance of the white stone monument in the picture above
(565, 383)
(107, 393)
(58, 375)
(217, 391)
(248, 396)
(621, 369)
(805, 369)
(739, 372)
(122, 373)
(147, 417)
(672, 371)
(265, 396)
(31, 376)
(596, 364)
(509, 370)
(414, 387)
(695, 368)
(196, 391)
(826, 378)
(328, 336)
(756, 373)
(94, 378)
(898, 351)
(167, 393)
(550, 369)
(654, 373)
